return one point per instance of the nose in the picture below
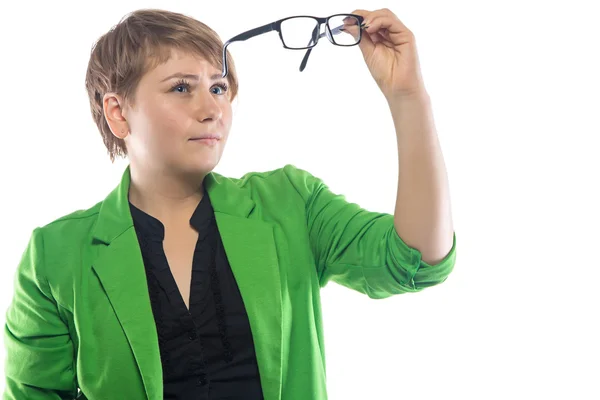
(208, 108)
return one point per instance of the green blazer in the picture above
(80, 322)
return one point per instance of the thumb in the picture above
(366, 45)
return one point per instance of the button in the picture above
(192, 335)
(202, 381)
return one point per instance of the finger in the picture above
(378, 37)
(388, 15)
(369, 16)
(362, 13)
(381, 38)
(393, 25)
(385, 34)
(366, 44)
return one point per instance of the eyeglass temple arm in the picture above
(245, 36)
(335, 31)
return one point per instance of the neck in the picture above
(167, 197)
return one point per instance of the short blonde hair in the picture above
(141, 41)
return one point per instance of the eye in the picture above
(223, 87)
(185, 84)
(180, 84)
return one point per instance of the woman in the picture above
(183, 283)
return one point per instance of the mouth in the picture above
(208, 141)
(206, 138)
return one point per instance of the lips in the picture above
(207, 137)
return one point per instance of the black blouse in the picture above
(207, 352)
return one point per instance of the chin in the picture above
(202, 166)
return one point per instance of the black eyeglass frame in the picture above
(276, 26)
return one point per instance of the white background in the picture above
(515, 92)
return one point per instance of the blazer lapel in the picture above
(250, 248)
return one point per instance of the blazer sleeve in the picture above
(39, 351)
(361, 249)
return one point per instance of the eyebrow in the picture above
(192, 76)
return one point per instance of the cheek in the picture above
(166, 120)
(227, 116)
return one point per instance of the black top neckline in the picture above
(152, 228)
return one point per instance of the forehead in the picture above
(185, 62)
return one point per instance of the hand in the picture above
(390, 52)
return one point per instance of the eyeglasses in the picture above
(295, 31)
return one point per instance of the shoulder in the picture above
(73, 224)
(280, 181)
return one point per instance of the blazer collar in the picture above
(251, 251)
(115, 218)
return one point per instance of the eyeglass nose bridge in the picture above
(325, 22)
(328, 33)
(318, 35)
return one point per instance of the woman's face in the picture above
(171, 110)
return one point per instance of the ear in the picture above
(114, 112)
